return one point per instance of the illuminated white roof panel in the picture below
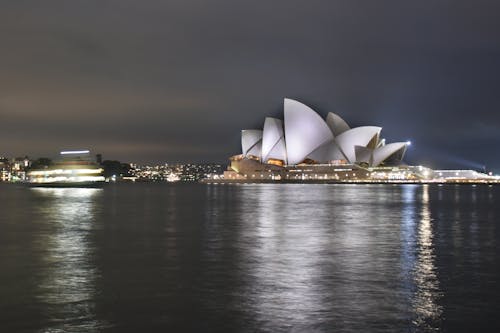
(337, 124)
(256, 149)
(382, 153)
(279, 151)
(359, 136)
(327, 152)
(249, 138)
(363, 155)
(273, 143)
(381, 143)
(305, 131)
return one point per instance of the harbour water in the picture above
(250, 258)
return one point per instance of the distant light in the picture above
(408, 143)
(69, 152)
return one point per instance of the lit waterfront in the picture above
(263, 257)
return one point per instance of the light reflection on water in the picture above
(309, 263)
(272, 258)
(288, 258)
(68, 287)
(427, 309)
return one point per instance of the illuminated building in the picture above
(304, 137)
(4, 169)
(305, 147)
(184, 172)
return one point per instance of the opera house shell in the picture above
(304, 137)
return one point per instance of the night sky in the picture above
(166, 81)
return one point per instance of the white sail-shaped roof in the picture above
(337, 124)
(256, 150)
(327, 152)
(381, 143)
(364, 155)
(304, 135)
(305, 131)
(382, 153)
(273, 140)
(278, 152)
(320, 153)
(251, 142)
(359, 136)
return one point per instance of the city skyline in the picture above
(155, 82)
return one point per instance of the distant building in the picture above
(457, 174)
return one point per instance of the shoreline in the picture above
(360, 182)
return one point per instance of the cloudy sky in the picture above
(156, 81)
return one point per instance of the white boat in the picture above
(74, 169)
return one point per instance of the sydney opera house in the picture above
(304, 137)
(305, 147)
